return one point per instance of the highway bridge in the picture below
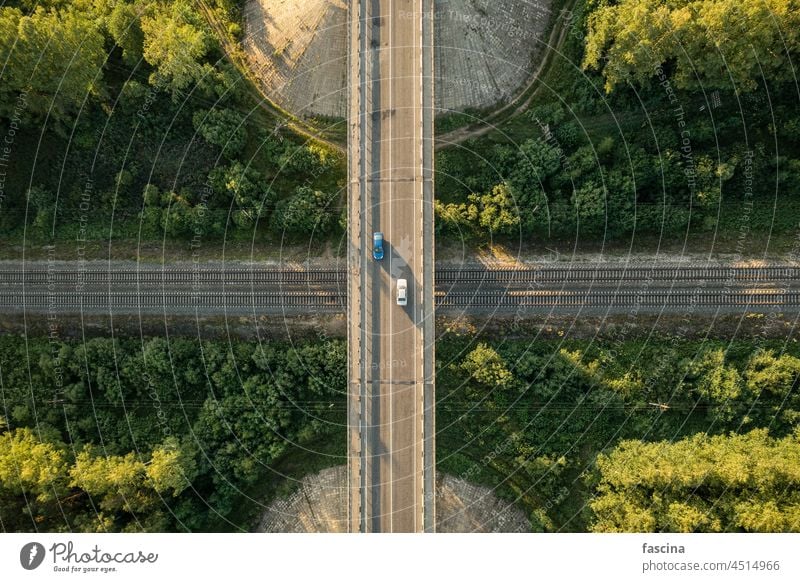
(391, 346)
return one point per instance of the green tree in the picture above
(170, 469)
(774, 381)
(178, 218)
(31, 467)
(310, 159)
(713, 379)
(114, 480)
(497, 210)
(175, 46)
(708, 43)
(53, 62)
(151, 196)
(454, 218)
(33, 480)
(589, 201)
(246, 185)
(221, 127)
(307, 211)
(741, 482)
(771, 375)
(43, 202)
(487, 367)
(125, 28)
(124, 486)
(537, 161)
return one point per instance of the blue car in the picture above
(377, 246)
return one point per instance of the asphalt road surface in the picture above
(391, 345)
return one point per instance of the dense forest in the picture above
(656, 116)
(554, 426)
(126, 119)
(157, 435)
(720, 483)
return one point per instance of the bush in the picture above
(223, 128)
(306, 212)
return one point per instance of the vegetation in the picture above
(661, 118)
(155, 436)
(124, 120)
(626, 436)
(747, 482)
(709, 44)
(40, 479)
(668, 435)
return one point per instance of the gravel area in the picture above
(298, 49)
(319, 505)
(483, 51)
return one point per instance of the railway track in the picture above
(622, 299)
(615, 274)
(239, 302)
(308, 302)
(597, 273)
(147, 277)
(549, 288)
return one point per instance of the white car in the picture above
(402, 292)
